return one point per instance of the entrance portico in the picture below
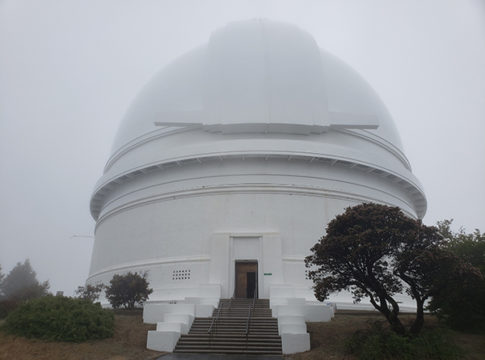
(243, 261)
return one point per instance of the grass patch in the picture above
(379, 343)
(329, 340)
(130, 336)
(127, 343)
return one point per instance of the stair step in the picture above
(206, 335)
(236, 332)
(258, 346)
(230, 339)
(229, 346)
(227, 351)
(228, 332)
(272, 338)
(228, 343)
(269, 337)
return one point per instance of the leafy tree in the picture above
(89, 292)
(460, 296)
(21, 283)
(2, 276)
(376, 251)
(128, 290)
(469, 247)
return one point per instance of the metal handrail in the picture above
(247, 321)
(251, 306)
(255, 295)
(215, 318)
(233, 296)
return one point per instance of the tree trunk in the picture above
(396, 324)
(419, 321)
(391, 316)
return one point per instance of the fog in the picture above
(69, 70)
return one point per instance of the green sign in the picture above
(267, 274)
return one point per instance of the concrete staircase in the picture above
(235, 327)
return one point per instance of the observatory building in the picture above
(231, 161)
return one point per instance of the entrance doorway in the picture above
(246, 279)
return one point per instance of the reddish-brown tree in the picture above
(376, 251)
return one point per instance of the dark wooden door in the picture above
(246, 278)
(251, 284)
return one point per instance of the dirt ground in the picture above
(129, 342)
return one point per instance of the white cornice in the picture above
(410, 183)
(162, 132)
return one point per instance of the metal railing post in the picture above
(251, 306)
(214, 319)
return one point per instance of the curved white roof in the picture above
(261, 89)
(258, 72)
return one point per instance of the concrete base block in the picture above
(296, 301)
(313, 313)
(162, 340)
(292, 329)
(291, 325)
(170, 327)
(204, 310)
(295, 343)
(276, 301)
(319, 312)
(184, 319)
(292, 291)
(202, 301)
(168, 294)
(154, 312)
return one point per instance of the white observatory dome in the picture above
(241, 151)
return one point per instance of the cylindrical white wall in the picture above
(166, 220)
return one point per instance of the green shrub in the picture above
(8, 305)
(58, 318)
(379, 343)
(436, 344)
(459, 296)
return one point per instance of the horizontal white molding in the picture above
(162, 132)
(158, 133)
(379, 141)
(151, 262)
(413, 187)
(244, 154)
(249, 184)
(251, 189)
(293, 258)
(255, 233)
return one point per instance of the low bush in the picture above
(379, 343)
(58, 318)
(8, 305)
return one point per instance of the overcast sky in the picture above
(69, 70)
